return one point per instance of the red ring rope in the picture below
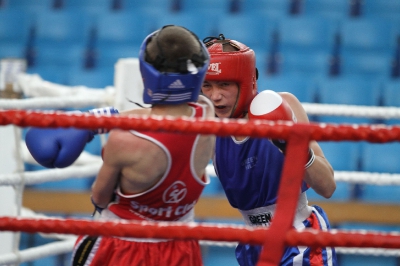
(273, 239)
(198, 231)
(224, 127)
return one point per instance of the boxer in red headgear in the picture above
(237, 64)
(250, 168)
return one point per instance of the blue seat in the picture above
(337, 9)
(220, 7)
(52, 73)
(348, 90)
(12, 50)
(14, 25)
(254, 31)
(108, 56)
(342, 193)
(299, 85)
(99, 77)
(391, 97)
(386, 8)
(343, 155)
(381, 193)
(306, 33)
(160, 7)
(197, 24)
(272, 8)
(37, 4)
(61, 28)
(381, 158)
(309, 63)
(90, 6)
(60, 56)
(123, 28)
(391, 92)
(367, 35)
(368, 64)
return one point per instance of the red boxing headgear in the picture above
(238, 66)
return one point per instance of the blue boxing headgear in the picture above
(180, 86)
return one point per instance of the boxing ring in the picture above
(16, 114)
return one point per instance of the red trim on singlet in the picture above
(178, 190)
(316, 258)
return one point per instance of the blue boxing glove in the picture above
(60, 147)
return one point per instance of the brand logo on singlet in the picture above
(175, 193)
(213, 69)
(249, 162)
(261, 219)
(177, 84)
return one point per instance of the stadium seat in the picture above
(391, 98)
(14, 25)
(306, 34)
(337, 9)
(211, 7)
(366, 64)
(272, 8)
(160, 7)
(391, 92)
(343, 155)
(381, 158)
(380, 193)
(380, 8)
(108, 56)
(308, 63)
(342, 193)
(254, 31)
(90, 6)
(61, 28)
(60, 56)
(300, 86)
(29, 4)
(123, 28)
(361, 35)
(52, 73)
(200, 26)
(352, 90)
(347, 90)
(99, 77)
(12, 50)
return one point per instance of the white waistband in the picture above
(107, 215)
(262, 216)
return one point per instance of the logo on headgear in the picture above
(213, 69)
(177, 84)
(175, 193)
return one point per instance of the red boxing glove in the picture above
(269, 105)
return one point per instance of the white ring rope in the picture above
(352, 110)
(41, 176)
(103, 100)
(352, 251)
(53, 103)
(46, 250)
(90, 166)
(50, 95)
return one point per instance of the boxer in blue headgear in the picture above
(175, 74)
(155, 176)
